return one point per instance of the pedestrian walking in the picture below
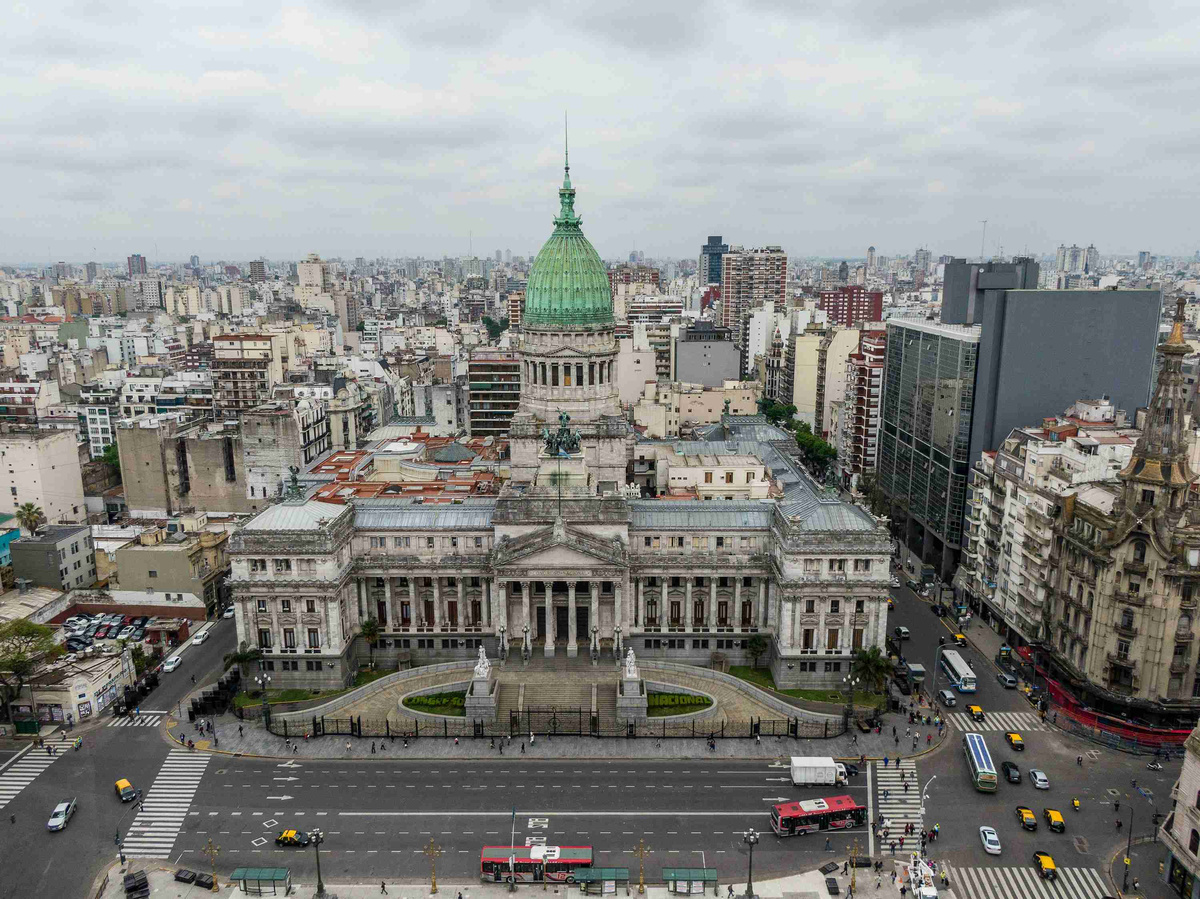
(456, 741)
(372, 747)
(854, 742)
(460, 894)
(908, 731)
(295, 749)
(1079, 760)
(531, 739)
(287, 743)
(885, 761)
(885, 795)
(522, 747)
(893, 730)
(828, 845)
(1117, 806)
(1119, 825)
(915, 742)
(892, 846)
(730, 886)
(347, 745)
(902, 844)
(897, 739)
(240, 731)
(406, 744)
(929, 739)
(906, 787)
(845, 867)
(383, 887)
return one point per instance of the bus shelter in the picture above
(263, 881)
(602, 881)
(689, 880)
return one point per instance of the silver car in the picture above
(1039, 779)
(947, 698)
(990, 840)
(61, 815)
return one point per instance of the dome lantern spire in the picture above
(566, 220)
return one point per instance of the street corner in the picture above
(135, 875)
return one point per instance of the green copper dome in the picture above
(568, 284)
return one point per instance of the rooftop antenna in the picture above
(566, 145)
(982, 239)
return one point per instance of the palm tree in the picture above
(872, 667)
(243, 655)
(370, 632)
(31, 517)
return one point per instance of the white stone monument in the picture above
(631, 692)
(480, 703)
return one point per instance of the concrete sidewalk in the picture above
(230, 735)
(802, 885)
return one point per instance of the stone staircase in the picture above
(506, 701)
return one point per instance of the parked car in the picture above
(103, 632)
(990, 840)
(126, 632)
(946, 697)
(938, 609)
(895, 581)
(200, 638)
(1039, 779)
(171, 664)
(141, 621)
(902, 632)
(228, 613)
(1011, 772)
(61, 815)
(1006, 680)
(139, 634)
(92, 629)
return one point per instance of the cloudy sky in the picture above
(363, 127)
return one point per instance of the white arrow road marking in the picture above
(281, 797)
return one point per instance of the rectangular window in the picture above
(859, 605)
(283, 566)
(262, 605)
(862, 565)
(314, 638)
(707, 477)
(285, 605)
(264, 638)
(152, 573)
(429, 543)
(258, 565)
(479, 543)
(720, 543)
(858, 638)
(812, 566)
(807, 639)
(310, 606)
(831, 639)
(837, 564)
(835, 607)
(289, 638)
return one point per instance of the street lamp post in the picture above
(851, 685)
(934, 673)
(503, 643)
(750, 838)
(1128, 852)
(263, 681)
(595, 642)
(925, 792)
(617, 642)
(317, 839)
(212, 851)
(433, 852)
(641, 853)
(525, 642)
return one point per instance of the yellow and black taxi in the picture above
(1054, 820)
(976, 712)
(292, 838)
(960, 639)
(125, 790)
(1045, 866)
(1027, 818)
(891, 604)
(1014, 740)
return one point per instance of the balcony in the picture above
(1132, 567)
(1123, 660)
(1125, 631)
(1179, 666)
(1184, 637)
(1130, 599)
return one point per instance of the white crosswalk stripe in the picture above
(165, 806)
(997, 721)
(21, 773)
(898, 807)
(143, 720)
(1007, 882)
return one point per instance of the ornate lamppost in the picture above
(433, 852)
(317, 839)
(503, 643)
(750, 838)
(525, 642)
(212, 852)
(641, 852)
(264, 681)
(617, 643)
(595, 643)
(851, 685)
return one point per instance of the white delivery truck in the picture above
(816, 771)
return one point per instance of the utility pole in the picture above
(1128, 852)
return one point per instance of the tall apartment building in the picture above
(136, 265)
(101, 401)
(494, 379)
(858, 434)
(751, 278)
(851, 304)
(279, 435)
(709, 268)
(652, 307)
(258, 270)
(59, 557)
(244, 369)
(1181, 830)
(42, 467)
(870, 259)
(644, 275)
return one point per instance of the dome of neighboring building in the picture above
(568, 284)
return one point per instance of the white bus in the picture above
(958, 671)
(979, 763)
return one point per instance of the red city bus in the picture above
(533, 863)
(811, 815)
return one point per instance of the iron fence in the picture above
(558, 722)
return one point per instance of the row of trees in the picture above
(816, 454)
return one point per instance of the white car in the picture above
(895, 582)
(1039, 779)
(200, 637)
(126, 632)
(228, 613)
(991, 842)
(61, 815)
(172, 663)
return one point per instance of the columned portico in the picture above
(550, 628)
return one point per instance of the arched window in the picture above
(1139, 551)
(1194, 842)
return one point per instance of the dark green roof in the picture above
(568, 284)
(262, 875)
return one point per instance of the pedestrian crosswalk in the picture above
(22, 772)
(997, 721)
(165, 807)
(896, 805)
(1004, 883)
(142, 720)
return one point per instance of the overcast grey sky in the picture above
(364, 127)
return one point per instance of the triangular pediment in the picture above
(565, 352)
(559, 545)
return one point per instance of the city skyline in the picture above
(339, 128)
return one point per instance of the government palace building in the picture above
(566, 559)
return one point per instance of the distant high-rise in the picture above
(1091, 259)
(870, 259)
(258, 270)
(921, 260)
(194, 261)
(91, 268)
(710, 260)
(1143, 259)
(844, 271)
(497, 255)
(851, 303)
(136, 264)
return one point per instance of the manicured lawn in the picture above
(761, 677)
(364, 677)
(449, 704)
(664, 705)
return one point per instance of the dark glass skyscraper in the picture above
(710, 260)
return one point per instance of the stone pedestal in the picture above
(480, 702)
(631, 700)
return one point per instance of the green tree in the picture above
(868, 486)
(360, 327)
(23, 647)
(872, 667)
(756, 646)
(495, 328)
(370, 632)
(30, 516)
(112, 458)
(244, 655)
(778, 413)
(815, 453)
